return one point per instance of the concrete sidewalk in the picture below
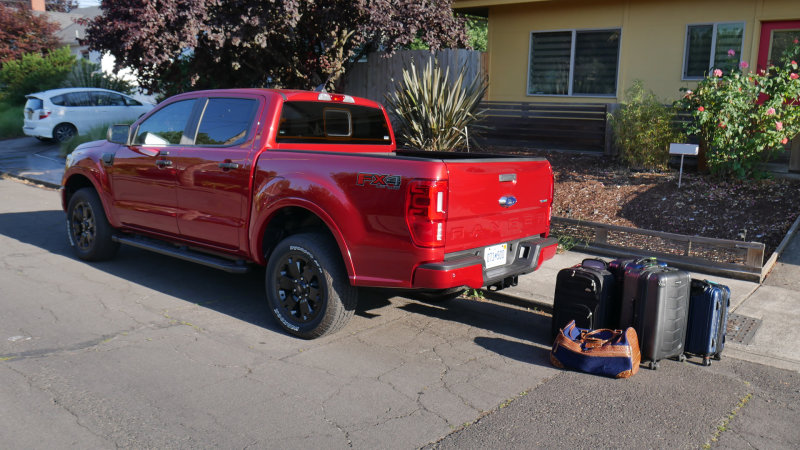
(776, 302)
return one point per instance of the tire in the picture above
(64, 132)
(90, 234)
(440, 296)
(308, 291)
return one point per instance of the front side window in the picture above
(165, 126)
(575, 62)
(714, 45)
(226, 121)
(322, 123)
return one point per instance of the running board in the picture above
(184, 253)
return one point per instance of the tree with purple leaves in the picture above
(196, 44)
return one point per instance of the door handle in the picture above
(228, 165)
(164, 163)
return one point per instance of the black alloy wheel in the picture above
(300, 289)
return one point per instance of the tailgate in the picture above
(492, 201)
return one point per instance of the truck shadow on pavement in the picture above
(243, 297)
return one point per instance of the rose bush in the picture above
(742, 119)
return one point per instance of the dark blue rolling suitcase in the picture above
(708, 319)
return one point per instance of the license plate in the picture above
(495, 255)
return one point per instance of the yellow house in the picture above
(590, 51)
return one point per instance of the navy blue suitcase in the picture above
(708, 319)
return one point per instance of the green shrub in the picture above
(643, 129)
(742, 119)
(88, 74)
(433, 112)
(94, 134)
(11, 121)
(34, 73)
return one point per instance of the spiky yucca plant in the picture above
(432, 112)
(88, 74)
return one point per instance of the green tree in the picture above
(34, 72)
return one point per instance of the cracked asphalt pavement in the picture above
(149, 351)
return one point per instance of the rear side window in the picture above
(107, 99)
(226, 121)
(58, 100)
(318, 123)
(131, 102)
(78, 99)
(165, 126)
(33, 104)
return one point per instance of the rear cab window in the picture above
(332, 123)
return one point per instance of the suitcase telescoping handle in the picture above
(594, 263)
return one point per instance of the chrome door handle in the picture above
(164, 163)
(228, 165)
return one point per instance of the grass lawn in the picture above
(10, 121)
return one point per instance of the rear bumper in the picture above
(467, 268)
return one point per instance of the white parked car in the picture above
(59, 114)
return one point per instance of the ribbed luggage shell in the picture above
(708, 319)
(661, 314)
(582, 294)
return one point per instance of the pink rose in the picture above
(779, 126)
(701, 109)
(771, 111)
(796, 41)
(784, 141)
(794, 76)
(731, 52)
(722, 125)
(718, 73)
(743, 65)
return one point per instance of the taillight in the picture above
(44, 114)
(426, 212)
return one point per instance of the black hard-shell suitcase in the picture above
(626, 273)
(583, 293)
(661, 313)
(708, 319)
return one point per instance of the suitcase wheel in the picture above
(706, 360)
(681, 358)
(718, 357)
(653, 365)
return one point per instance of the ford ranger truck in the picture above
(312, 186)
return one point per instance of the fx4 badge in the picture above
(379, 181)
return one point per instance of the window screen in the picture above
(166, 125)
(708, 45)
(574, 63)
(321, 122)
(226, 121)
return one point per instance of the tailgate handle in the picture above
(505, 177)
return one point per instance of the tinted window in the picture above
(78, 99)
(226, 121)
(58, 100)
(166, 125)
(317, 122)
(107, 99)
(33, 103)
(131, 102)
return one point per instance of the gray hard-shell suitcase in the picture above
(662, 309)
(626, 273)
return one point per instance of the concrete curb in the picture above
(33, 181)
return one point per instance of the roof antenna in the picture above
(321, 87)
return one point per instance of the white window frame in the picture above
(569, 93)
(711, 60)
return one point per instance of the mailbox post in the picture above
(683, 150)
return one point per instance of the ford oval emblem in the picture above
(508, 200)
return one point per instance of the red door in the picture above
(775, 38)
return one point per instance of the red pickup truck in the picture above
(312, 186)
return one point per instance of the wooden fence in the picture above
(563, 126)
(738, 259)
(377, 77)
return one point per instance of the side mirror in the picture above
(118, 134)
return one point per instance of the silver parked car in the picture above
(59, 114)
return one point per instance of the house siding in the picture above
(652, 42)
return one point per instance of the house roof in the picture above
(69, 31)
